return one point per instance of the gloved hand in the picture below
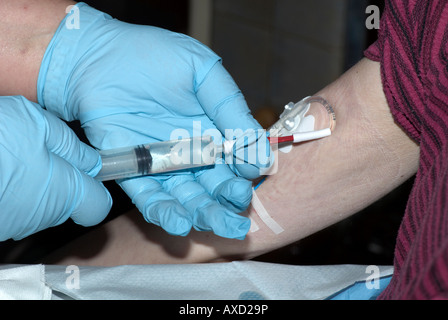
(45, 172)
(130, 84)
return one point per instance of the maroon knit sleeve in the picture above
(374, 51)
(397, 50)
(412, 48)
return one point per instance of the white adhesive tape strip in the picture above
(264, 215)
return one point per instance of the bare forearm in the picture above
(323, 182)
(329, 180)
(26, 28)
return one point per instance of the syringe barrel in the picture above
(157, 158)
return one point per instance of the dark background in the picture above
(366, 238)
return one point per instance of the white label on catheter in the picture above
(264, 215)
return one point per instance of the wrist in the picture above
(26, 28)
(63, 53)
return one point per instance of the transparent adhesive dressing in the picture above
(294, 117)
(157, 158)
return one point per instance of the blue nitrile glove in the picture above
(45, 172)
(131, 84)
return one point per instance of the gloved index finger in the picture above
(225, 105)
(223, 101)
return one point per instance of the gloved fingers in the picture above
(233, 192)
(223, 222)
(62, 141)
(225, 105)
(208, 214)
(157, 205)
(223, 101)
(86, 200)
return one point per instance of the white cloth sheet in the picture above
(247, 280)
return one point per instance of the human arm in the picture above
(318, 184)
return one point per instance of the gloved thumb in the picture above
(75, 165)
(77, 195)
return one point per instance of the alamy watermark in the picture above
(373, 278)
(73, 19)
(73, 279)
(246, 147)
(373, 20)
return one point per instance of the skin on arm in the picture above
(26, 29)
(318, 184)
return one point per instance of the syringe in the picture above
(190, 153)
(156, 158)
(176, 155)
